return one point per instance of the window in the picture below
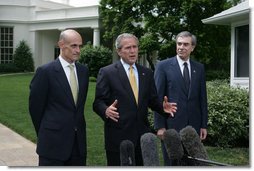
(6, 45)
(56, 52)
(242, 51)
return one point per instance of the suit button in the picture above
(76, 129)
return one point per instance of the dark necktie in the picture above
(186, 76)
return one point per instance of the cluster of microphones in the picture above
(184, 149)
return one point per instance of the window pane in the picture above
(242, 51)
(6, 44)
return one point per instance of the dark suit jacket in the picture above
(53, 111)
(112, 84)
(192, 105)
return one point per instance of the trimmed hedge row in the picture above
(23, 60)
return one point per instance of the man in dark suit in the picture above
(185, 86)
(57, 97)
(123, 107)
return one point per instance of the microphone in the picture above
(192, 144)
(148, 142)
(127, 153)
(173, 146)
(196, 153)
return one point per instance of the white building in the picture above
(238, 18)
(40, 22)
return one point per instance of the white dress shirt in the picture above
(181, 64)
(126, 68)
(66, 68)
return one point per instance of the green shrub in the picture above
(217, 74)
(95, 58)
(92, 79)
(8, 68)
(228, 118)
(228, 115)
(23, 57)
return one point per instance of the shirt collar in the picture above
(65, 63)
(127, 66)
(181, 62)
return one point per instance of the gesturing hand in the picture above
(111, 112)
(169, 107)
(160, 133)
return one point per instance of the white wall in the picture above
(236, 81)
(48, 42)
(14, 13)
(35, 40)
(21, 32)
(39, 23)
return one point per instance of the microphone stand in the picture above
(190, 159)
(193, 161)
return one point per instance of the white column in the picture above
(96, 37)
(35, 44)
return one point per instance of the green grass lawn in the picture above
(14, 92)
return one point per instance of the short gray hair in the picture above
(123, 36)
(188, 34)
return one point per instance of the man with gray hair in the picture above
(124, 91)
(182, 80)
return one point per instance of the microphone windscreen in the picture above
(149, 149)
(192, 143)
(127, 153)
(173, 144)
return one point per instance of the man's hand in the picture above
(160, 133)
(169, 107)
(111, 112)
(203, 133)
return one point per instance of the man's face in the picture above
(184, 47)
(129, 50)
(71, 48)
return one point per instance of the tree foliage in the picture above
(149, 44)
(23, 59)
(164, 19)
(95, 58)
(120, 16)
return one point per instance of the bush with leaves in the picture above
(8, 68)
(95, 58)
(228, 118)
(23, 59)
(228, 115)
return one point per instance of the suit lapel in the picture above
(193, 76)
(81, 82)
(179, 75)
(61, 78)
(141, 82)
